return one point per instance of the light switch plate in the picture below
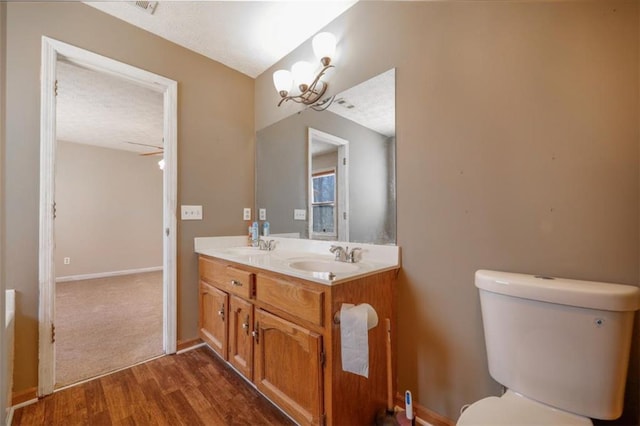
(262, 214)
(191, 212)
(246, 214)
(299, 214)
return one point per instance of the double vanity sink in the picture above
(307, 259)
(274, 316)
(315, 264)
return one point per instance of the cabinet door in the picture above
(288, 367)
(240, 338)
(212, 319)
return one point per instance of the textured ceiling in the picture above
(371, 103)
(98, 109)
(248, 36)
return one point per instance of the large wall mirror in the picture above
(332, 174)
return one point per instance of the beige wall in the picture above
(517, 150)
(111, 196)
(215, 141)
(3, 360)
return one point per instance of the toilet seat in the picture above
(514, 409)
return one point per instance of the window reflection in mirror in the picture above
(364, 117)
(324, 203)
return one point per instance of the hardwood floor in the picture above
(192, 388)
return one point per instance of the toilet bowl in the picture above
(514, 409)
(560, 347)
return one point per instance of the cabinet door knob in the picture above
(254, 333)
(221, 311)
(245, 325)
(236, 283)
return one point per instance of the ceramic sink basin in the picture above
(244, 251)
(323, 266)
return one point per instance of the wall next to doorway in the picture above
(215, 148)
(108, 210)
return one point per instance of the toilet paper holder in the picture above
(372, 315)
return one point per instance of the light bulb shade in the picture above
(283, 80)
(302, 74)
(324, 45)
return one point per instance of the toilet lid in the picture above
(514, 409)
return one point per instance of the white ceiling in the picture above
(249, 36)
(98, 109)
(371, 104)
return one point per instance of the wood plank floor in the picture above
(192, 388)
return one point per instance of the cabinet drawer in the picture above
(238, 282)
(210, 270)
(227, 278)
(303, 302)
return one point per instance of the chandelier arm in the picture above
(323, 105)
(310, 95)
(317, 79)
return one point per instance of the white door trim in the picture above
(342, 183)
(51, 50)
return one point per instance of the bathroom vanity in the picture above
(274, 316)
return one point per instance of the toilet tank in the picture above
(561, 342)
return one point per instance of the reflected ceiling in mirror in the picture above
(364, 115)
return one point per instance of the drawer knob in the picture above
(236, 283)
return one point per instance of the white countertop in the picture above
(290, 252)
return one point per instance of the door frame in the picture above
(342, 184)
(51, 50)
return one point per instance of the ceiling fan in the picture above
(160, 149)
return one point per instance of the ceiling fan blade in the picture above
(144, 144)
(152, 153)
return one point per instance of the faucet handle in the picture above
(341, 254)
(351, 255)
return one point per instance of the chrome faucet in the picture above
(344, 255)
(266, 245)
(341, 254)
(351, 255)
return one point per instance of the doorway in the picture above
(328, 182)
(52, 52)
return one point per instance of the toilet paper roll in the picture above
(355, 323)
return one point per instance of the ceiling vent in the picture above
(147, 6)
(343, 103)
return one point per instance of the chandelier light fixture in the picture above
(310, 86)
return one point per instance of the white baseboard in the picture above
(9, 417)
(107, 274)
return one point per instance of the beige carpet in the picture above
(107, 323)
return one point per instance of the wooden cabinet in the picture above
(213, 318)
(279, 333)
(288, 367)
(241, 336)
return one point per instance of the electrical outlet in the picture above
(263, 214)
(191, 212)
(67, 260)
(246, 214)
(299, 214)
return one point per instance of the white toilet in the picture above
(559, 346)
